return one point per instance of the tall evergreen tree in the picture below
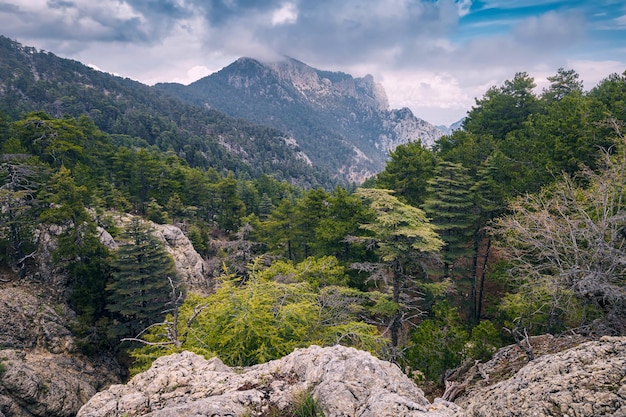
(408, 171)
(79, 249)
(139, 287)
(451, 209)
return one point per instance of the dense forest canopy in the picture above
(513, 225)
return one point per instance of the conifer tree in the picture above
(403, 238)
(139, 287)
(451, 209)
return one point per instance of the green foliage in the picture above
(437, 344)
(483, 342)
(408, 171)
(318, 272)
(79, 250)
(451, 207)
(304, 405)
(403, 238)
(263, 319)
(139, 286)
(504, 109)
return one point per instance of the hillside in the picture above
(32, 80)
(342, 123)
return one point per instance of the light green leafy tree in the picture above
(262, 319)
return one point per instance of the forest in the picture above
(512, 226)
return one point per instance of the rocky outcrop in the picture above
(42, 372)
(587, 380)
(191, 268)
(41, 383)
(42, 369)
(344, 381)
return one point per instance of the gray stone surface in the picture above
(345, 382)
(586, 380)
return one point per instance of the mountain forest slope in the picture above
(343, 123)
(32, 80)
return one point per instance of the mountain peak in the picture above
(340, 122)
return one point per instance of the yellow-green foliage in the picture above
(262, 319)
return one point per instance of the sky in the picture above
(433, 56)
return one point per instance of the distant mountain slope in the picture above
(454, 126)
(32, 80)
(342, 123)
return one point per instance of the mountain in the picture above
(454, 126)
(134, 113)
(343, 124)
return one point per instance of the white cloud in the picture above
(286, 14)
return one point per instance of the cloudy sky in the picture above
(433, 56)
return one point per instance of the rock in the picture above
(28, 320)
(586, 380)
(344, 381)
(192, 268)
(40, 383)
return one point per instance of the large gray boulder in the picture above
(586, 380)
(344, 381)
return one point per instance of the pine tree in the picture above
(451, 209)
(139, 287)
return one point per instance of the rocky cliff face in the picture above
(586, 380)
(341, 123)
(42, 370)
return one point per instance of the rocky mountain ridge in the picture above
(138, 115)
(342, 123)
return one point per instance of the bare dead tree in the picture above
(171, 333)
(567, 243)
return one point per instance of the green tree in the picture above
(403, 238)
(345, 212)
(228, 208)
(278, 231)
(562, 84)
(79, 250)
(503, 109)
(139, 286)
(437, 344)
(452, 211)
(407, 172)
(263, 319)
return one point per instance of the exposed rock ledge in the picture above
(587, 380)
(345, 381)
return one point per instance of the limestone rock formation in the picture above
(192, 268)
(42, 372)
(586, 380)
(344, 381)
